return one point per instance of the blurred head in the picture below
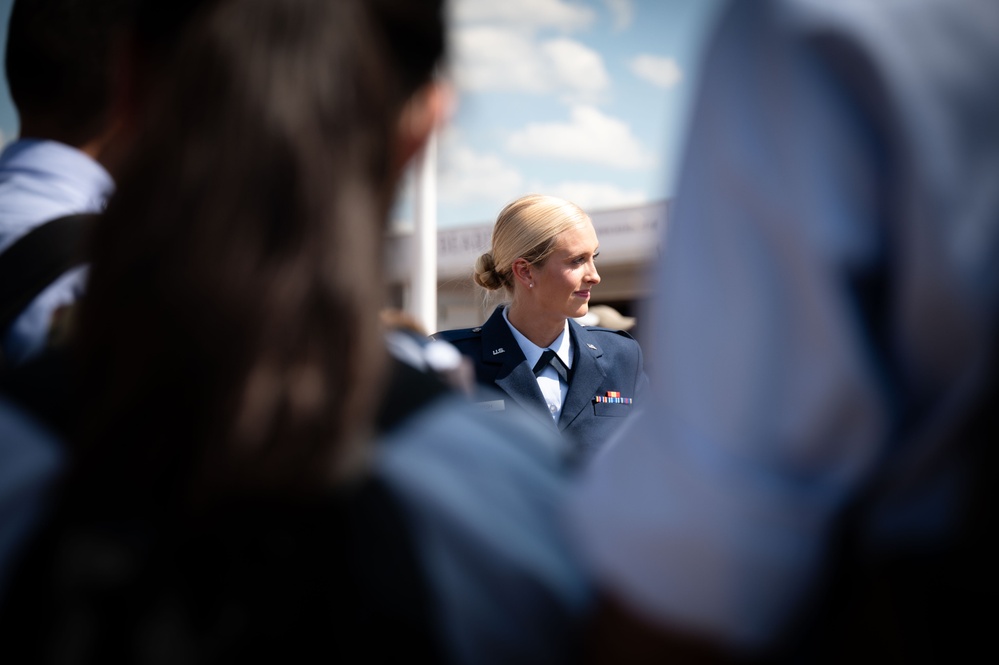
(542, 254)
(236, 276)
(60, 66)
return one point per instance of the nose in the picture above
(592, 276)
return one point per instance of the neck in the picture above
(540, 327)
(102, 148)
(107, 149)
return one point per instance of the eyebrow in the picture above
(577, 255)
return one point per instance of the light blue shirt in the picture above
(824, 312)
(39, 181)
(552, 386)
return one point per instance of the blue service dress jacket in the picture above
(607, 381)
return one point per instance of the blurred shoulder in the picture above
(24, 440)
(513, 442)
(484, 493)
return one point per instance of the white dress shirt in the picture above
(552, 387)
(39, 181)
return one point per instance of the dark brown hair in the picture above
(230, 336)
(59, 65)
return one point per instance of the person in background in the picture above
(421, 370)
(606, 316)
(814, 479)
(409, 342)
(61, 68)
(222, 500)
(581, 382)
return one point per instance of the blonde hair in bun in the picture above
(485, 274)
(526, 228)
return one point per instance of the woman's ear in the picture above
(426, 110)
(523, 272)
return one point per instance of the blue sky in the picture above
(8, 116)
(585, 99)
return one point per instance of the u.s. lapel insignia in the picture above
(591, 346)
(498, 351)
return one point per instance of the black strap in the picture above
(37, 259)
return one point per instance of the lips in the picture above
(582, 294)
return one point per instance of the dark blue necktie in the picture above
(549, 357)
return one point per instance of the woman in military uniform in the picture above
(579, 380)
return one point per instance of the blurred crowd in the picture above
(217, 445)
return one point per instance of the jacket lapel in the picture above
(587, 375)
(513, 375)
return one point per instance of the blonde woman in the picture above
(579, 380)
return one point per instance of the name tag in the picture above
(492, 405)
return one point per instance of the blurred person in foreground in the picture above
(61, 70)
(578, 381)
(222, 501)
(813, 481)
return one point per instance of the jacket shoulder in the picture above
(458, 334)
(610, 334)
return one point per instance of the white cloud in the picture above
(623, 12)
(657, 70)
(578, 68)
(507, 46)
(524, 14)
(503, 60)
(592, 196)
(494, 58)
(589, 136)
(467, 176)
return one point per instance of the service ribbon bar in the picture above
(607, 399)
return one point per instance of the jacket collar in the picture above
(587, 374)
(516, 378)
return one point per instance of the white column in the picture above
(423, 281)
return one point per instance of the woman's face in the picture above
(562, 284)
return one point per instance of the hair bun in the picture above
(485, 274)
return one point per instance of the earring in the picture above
(531, 285)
